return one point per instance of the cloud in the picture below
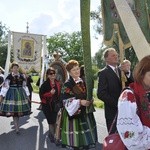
(65, 19)
(41, 24)
(45, 17)
(69, 9)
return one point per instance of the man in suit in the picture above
(109, 86)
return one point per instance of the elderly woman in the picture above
(78, 127)
(50, 93)
(133, 122)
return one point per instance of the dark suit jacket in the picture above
(109, 89)
(130, 79)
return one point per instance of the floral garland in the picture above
(26, 59)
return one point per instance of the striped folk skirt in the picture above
(79, 132)
(15, 103)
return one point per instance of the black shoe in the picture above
(17, 132)
(57, 142)
(30, 112)
(51, 138)
(40, 107)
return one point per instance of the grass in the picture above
(97, 103)
(35, 88)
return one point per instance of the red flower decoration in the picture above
(130, 97)
(67, 90)
(126, 134)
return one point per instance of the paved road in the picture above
(34, 130)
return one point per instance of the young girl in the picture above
(14, 96)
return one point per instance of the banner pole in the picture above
(7, 64)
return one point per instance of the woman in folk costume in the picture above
(133, 122)
(14, 95)
(50, 95)
(78, 127)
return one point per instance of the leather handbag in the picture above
(113, 141)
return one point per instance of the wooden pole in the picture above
(121, 50)
(86, 42)
(7, 64)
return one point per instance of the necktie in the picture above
(116, 71)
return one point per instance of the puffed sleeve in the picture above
(69, 101)
(72, 105)
(24, 85)
(26, 90)
(133, 134)
(5, 87)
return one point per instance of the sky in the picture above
(46, 17)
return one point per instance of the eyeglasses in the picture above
(51, 73)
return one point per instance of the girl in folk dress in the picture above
(14, 96)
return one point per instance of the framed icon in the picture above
(27, 48)
(61, 73)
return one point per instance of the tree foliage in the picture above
(3, 44)
(98, 59)
(97, 18)
(3, 34)
(69, 45)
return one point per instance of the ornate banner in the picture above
(27, 49)
(138, 39)
(141, 11)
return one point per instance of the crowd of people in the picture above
(131, 104)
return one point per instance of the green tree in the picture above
(98, 59)
(3, 44)
(69, 45)
(97, 18)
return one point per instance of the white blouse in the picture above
(133, 134)
(72, 104)
(5, 87)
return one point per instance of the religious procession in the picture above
(64, 101)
